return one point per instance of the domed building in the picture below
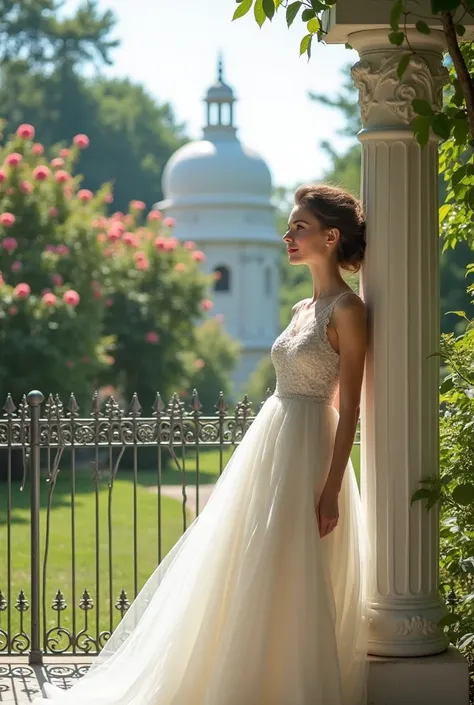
(219, 192)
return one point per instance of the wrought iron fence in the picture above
(101, 511)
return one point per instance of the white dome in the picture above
(216, 170)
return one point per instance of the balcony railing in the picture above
(109, 495)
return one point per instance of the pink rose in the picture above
(169, 222)
(62, 176)
(85, 195)
(171, 244)
(64, 153)
(9, 244)
(41, 172)
(82, 141)
(17, 266)
(26, 132)
(3, 175)
(108, 198)
(14, 159)
(190, 245)
(49, 299)
(130, 240)
(26, 186)
(114, 234)
(206, 304)
(13, 310)
(7, 219)
(57, 163)
(160, 243)
(53, 212)
(180, 267)
(199, 256)
(62, 250)
(152, 337)
(137, 205)
(37, 149)
(71, 298)
(57, 280)
(22, 291)
(154, 215)
(141, 261)
(199, 364)
(118, 215)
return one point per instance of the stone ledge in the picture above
(442, 679)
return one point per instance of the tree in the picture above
(134, 136)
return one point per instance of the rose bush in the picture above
(88, 297)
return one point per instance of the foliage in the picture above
(133, 135)
(454, 489)
(262, 380)
(84, 296)
(213, 357)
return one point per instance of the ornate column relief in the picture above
(401, 287)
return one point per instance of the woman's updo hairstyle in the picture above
(336, 208)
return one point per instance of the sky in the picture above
(171, 47)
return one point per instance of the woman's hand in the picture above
(327, 511)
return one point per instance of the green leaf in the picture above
(467, 564)
(444, 211)
(242, 9)
(444, 5)
(397, 38)
(448, 620)
(458, 175)
(422, 27)
(422, 107)
(460, 30)
(403, 65)
(269, 8)
(319, 6)
(314, 25)
(395, 14)
(277, 3)
(291, 12)
(305, 43)
(421, 128)
(464, 494)
(348, 46)
(420, 494)
(260, 15)
(441, 125)
(447, 385)
(307, 15)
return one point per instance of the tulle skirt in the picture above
(251, 606)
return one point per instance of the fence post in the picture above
(35, 399)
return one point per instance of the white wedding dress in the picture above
(251, 606)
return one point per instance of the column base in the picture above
(427, 680)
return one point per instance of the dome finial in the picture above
(220, 67)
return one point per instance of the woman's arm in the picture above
(350, 320)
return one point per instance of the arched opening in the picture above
(222, 278)
(268, 281)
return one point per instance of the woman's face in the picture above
(306, 239)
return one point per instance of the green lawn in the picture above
(91, 506)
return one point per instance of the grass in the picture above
(91, 520)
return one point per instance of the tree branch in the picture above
(462, 71)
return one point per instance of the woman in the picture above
(263, 600)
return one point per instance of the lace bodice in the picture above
(305, 362)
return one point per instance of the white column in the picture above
(401, 287)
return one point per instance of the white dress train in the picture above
(251, 606)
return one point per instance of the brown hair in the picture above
(336, 208)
